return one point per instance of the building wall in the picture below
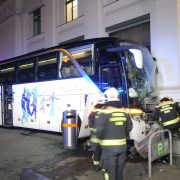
(7, 29)
(123, 10)
(7, 39)
(165, 45)
(95, 16)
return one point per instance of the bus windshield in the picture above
(139, 68)
(140, 73)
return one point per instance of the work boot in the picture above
(133, 151)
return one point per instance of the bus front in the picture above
(140, 72)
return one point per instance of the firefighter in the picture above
(167, 113)
(94, 141)
(113, 124)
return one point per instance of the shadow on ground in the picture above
(68, 164)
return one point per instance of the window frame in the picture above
(8, 72)
(42, 61)
(37, 14)
(27, 63)
(73, 9)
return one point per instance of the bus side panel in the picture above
(24, 106)
(52, 116)
(41, 105)
(0, 107)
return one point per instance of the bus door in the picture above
(6, 104)
(111, 76)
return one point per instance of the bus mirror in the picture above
(132, 93)
(137, 57)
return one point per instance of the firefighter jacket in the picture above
(167, 114)
(112, 128)
(93, 138)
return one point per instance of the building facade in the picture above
(31, 25)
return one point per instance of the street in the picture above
(32, 155)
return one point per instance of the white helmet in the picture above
(112, 94)
(101, 99)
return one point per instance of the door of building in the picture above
(6, 105)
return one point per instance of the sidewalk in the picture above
(40, 156)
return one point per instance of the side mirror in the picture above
(137, 57)
(133, 93)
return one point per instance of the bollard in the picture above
(70, 126)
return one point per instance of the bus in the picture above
(38, 87)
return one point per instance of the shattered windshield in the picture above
(140, 72)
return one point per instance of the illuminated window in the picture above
(7, 73)
(37, 22)
(84, 57)
(26, 70)
(71, 10)
(47, 67)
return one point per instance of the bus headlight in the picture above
(137, 114)
(137, 118)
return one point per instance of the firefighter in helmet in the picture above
(167, 113)
(112, 128)
(94, 141)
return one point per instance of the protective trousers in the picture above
(96, 153)
(113, 166)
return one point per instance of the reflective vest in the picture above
(168, 114)
(92, 127)
(112, 127)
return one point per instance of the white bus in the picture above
(38, 87)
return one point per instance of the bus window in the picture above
(137, 81)
(110, 77)
(104, 55)
(47, 67)
(67, 68)
(84, 56)
(25, 72)
(7, 73)
(85, 59)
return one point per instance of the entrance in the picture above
(6, 104)
(137, 30)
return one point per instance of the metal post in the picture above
(170, 146)
(150, 152)
(149, 156)
(70, 129)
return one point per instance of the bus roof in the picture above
(63, 45)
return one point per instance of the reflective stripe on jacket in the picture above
(94, 139)
(113, 142)
(167, 113)
(170, 122)
(112, 127)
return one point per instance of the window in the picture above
(137, 80)
(84, 57)
(71, 10)
(26, 72)
(7, 73)
(110, 77)
(106, 53)
(47, 67)
(37, 22)
(68, 69)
